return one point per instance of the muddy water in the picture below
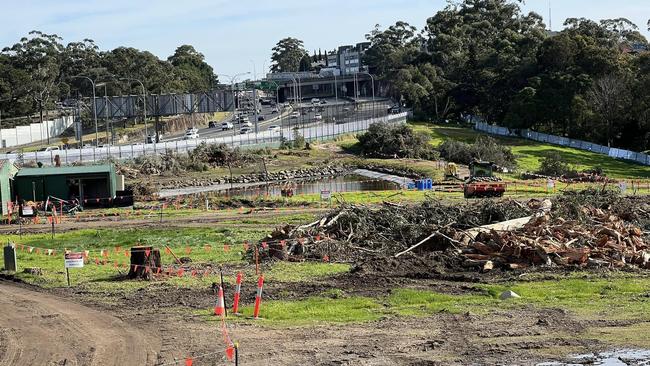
(346, 183)
(615, 358)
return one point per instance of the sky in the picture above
(237, 36)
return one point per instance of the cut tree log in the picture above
(144, 261)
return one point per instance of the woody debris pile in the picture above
(577, 229)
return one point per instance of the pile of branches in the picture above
(583, 229)
(351, 232)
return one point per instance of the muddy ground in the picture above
(161, 324)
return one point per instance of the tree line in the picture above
(39, 71)
(487, 58)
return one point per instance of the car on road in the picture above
(346, 109)
(318, 117)
(323, 101)
(191, 135)
(245, 130)
(247, 124)
(274, 128)
(315, 101)
(244, 119)
(213, 124)
(274, 111)
(49, 148)
(227, 126)
(192, 130)
(260, 118)
(295, 115)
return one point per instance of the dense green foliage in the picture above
(383, 140)
(554, 166)
(289, 55)
(485, 148)
(487, 58)
(39, 71)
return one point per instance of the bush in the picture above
(553, 165)
(383, 140)
(485, 148)
(219, 155)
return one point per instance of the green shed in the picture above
(86, 183)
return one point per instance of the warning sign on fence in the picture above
(622, 186)
(325, 195)
(74, 260)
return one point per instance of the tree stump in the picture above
(144, 262)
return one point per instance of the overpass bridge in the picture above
(160, 105)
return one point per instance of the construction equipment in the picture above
(482, 182)
(451, 172)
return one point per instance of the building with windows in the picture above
(348, 59)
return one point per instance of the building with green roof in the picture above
(94, 183)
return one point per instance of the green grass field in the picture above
(529, 154)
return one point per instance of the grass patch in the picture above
(620, 297)
(317, 310)
(529, 153)
(298, 272)
(418, 303)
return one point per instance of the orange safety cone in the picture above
(220, 309)
(258, 297)
(235, 304)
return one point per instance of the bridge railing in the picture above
(323, 131)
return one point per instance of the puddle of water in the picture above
(625, 357)
(346, 183)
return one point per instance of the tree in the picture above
(609, 97)
(289, 55)
(192, 70)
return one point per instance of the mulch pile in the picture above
(577, 229)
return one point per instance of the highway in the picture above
(313, 131)
(341, 111)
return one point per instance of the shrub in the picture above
(553, 165)
(383, 140)
(298, 140)
(484, 148)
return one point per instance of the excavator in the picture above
(482, 182)
(451, 172)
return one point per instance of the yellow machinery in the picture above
(451, 171)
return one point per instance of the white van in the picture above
(315, 101)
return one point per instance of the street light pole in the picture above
(232, 91)
(94, 108)
(336, 88)
(372, 78)
(277, 101)
(144, 102)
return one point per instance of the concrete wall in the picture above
(34, 132)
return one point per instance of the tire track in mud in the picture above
(42, 329)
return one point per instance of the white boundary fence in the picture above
(563, 141)
(34, 132)
(266, 138)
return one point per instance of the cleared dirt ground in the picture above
(154, 327)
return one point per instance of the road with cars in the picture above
(327, 111)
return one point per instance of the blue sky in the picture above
(235, 34)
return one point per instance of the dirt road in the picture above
(41, 329)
